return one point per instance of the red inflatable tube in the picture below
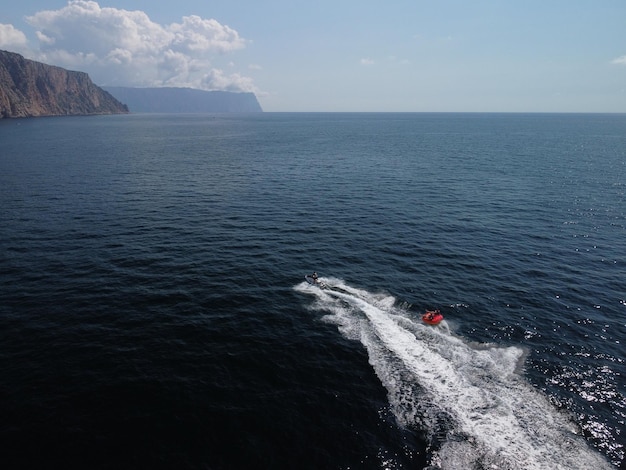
(432, 317)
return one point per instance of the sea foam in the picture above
(471, 400)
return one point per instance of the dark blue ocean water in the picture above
(154, 314)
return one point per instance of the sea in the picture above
(154, 312)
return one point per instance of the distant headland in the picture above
(185, 100)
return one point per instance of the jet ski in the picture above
(314, 280)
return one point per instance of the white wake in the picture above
(477, 410)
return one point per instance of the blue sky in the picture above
(343, 55)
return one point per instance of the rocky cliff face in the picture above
(29, 88)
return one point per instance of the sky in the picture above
(342, 55)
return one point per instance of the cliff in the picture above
(29, 88)
(185, 100)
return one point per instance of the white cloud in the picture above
(620, 60)
(121, 47)
(217, 80)
(12, 39)
(197, 34)
(367, 61)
